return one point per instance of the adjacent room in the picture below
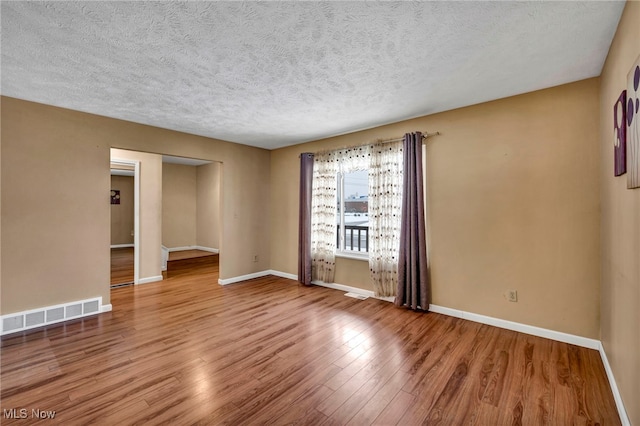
(122, 224)
(320, 212)
(190, 213)
(190, 208)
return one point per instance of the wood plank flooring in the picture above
(121, 265)
(188, 254)
(267, 351)
(187, 261)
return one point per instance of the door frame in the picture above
(136, 213)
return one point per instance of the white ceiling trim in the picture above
(184, 161)
(120, 172)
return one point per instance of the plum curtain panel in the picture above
(304, 222)
(413, 279)
(385, 209)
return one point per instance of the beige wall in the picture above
(122, 214)
(191, 205)
(178, 205)
(150, 210)
(55, 220)
(513, 204)
(620, 227)
(65, 212)
(244, 193)
(208, 205)
(1, 136)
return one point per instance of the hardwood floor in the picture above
(187, 350)
(188, 254)
(188, 261)
(179, 262)
(121, 265)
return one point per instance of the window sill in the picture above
(354, 255)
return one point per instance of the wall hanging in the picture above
(633, 126)
(115, 196)
(619, 135)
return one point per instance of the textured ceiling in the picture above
(272, 74)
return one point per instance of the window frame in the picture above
(341, 250)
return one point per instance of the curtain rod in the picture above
(424, 136)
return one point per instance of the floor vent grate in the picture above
(20, 321)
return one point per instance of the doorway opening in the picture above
(190, 214)
(177, 215)
(125, 222)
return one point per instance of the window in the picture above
(353, 212)
(335, 227)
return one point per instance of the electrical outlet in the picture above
(255, 257)
(512, 295)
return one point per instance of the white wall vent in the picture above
(90, 307)
(73, 311)
(55, 314)
(34, 319)
(11, 323)
(25, 320)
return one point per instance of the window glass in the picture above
(353, 211)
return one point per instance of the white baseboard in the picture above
(350, 289)
(345, 288)
(624, 419)
(47, 315)
(106, 308)
(121, 245)
(516, 326)
(209, 249)
(183, 248)
(335, 286)
(243, 277)
(148, 280)
(257, 275)
(283, 275)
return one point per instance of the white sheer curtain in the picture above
(384, 163)
(356, 158)
(385, 214)
(323, 216)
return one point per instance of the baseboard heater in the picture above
(26, 320)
